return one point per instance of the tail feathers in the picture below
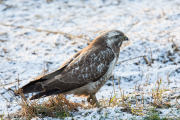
(37, 96)
(36, 86)
(30, 88)
(46, 93)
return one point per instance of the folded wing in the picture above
(89, 66)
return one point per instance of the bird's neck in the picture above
(116, 49)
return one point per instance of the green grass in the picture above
(154, 115)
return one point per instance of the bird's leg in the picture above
(92, 100)
(89, 99)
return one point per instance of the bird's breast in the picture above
(95, 86)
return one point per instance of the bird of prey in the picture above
(83, 74)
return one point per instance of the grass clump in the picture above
(56, 106)
(154, 115)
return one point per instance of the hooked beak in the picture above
(126, 38)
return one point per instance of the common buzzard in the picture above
(83, 74)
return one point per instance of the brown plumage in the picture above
(83, 74)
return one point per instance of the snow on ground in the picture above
(153, 28)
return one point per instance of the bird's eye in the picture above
(116, 36)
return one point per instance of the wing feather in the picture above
(89, 66)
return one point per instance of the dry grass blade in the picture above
(12, 95)
(4, 97)
(54, 32)
(174, 71)
(119, 86)
(172, 60)
(147, 62)
(113, 84)
(3, 40)
(152, 61)
(132, 26)
(130, 59)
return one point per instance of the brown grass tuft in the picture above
(56, 106)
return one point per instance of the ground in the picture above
(38, 36)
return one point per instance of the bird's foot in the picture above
(92, 100)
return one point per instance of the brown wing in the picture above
(61, 68)
(89, 66)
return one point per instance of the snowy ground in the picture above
(153, 28)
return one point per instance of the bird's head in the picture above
(111, 38)
(115, 37)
